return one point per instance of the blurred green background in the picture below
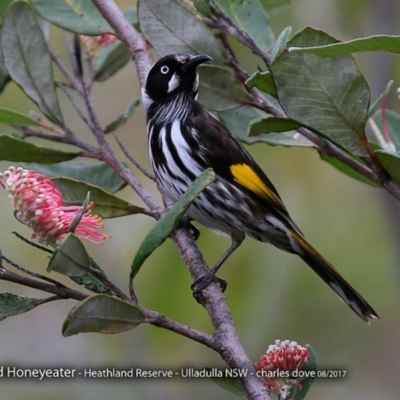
(271, 294)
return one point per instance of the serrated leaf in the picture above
(280, 44)
(329, 96)
(109, 60)
(70, 257)
(14, 149)
(387, 43)
(11, 304)
(310, 366)
(239, 119)
(122, 118)
(90, 282)
(249, 16)
(102, 314)
(391, 163)
(79, 16)
(106, 205)
(160, 232)
(97, 174)
(378, 101)
(272, 124)
(171, 28)
(346, 169)
(27, 58)
(219, 89)
(262, 81)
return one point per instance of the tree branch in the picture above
(61, 291)
(226, 340)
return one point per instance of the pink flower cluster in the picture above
(277, 364)
(95, 43)
(38, 204)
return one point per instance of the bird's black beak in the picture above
(195, 61)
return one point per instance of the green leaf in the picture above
(229, 384)
(11, 117)
(311, 367)
(79, 16)
(70, 257)
(14, 149)
(378, 101)
(329, 96)
(171, 28)
(275, 6)
(249, 16)
(160, 232)
(391, 163)
(387, 43)
(239, 119)
(280, 44)
(97, 174)
(4, 76)
(346, 169)
(393, 126)
(102, 314)
(272, 124)
(78, 217)
(106, 205)
(27, 58)
(203, 7)
(4, 4)
(122, 118)
(11, 304)
(91, 283)
(131, 16)
(109, 60)
(219, 89)
(262, 81)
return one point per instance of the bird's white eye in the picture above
(164, 69)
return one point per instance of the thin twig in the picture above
(157, 319)
(31, 273)
(71, 79)
(61, 291)
(219, 20)
(132, 160)
(73, 102)
(38, 246)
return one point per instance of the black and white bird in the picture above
(185, 139)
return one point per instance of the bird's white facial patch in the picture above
(173, 83)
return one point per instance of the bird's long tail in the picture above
(332, 277)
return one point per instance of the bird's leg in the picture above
(185, 222)
(201, 283)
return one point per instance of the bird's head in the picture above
(172, 74)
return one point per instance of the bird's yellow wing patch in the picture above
(248, 178)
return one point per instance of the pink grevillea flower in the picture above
(278, 363)
(38, 204)
(95, 43)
